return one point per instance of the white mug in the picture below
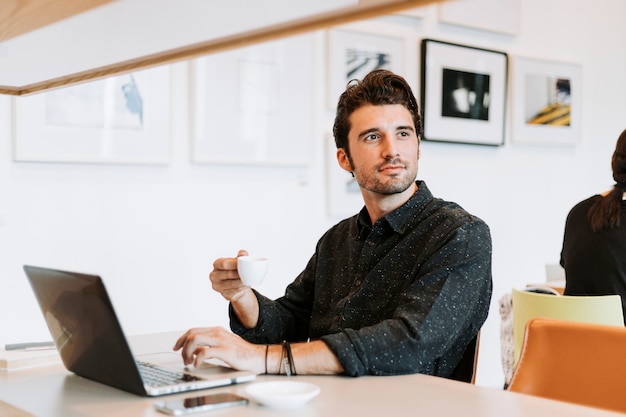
(252, 269)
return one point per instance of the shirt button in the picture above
(357, 283)
(370, 243)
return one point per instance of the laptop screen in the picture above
(84, 327)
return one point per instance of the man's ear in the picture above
(343, 160)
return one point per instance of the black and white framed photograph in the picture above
(353, 54)
(120, 120)
(253, 105)
(463, 93)
(546, 102)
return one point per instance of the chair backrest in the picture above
(603, 309)
(582, 363)
(466, 369)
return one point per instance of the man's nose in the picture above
(390, 148)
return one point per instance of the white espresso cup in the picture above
(252, 269)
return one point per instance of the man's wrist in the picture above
(274, 359)
(246, 308)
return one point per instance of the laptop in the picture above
(91, 343)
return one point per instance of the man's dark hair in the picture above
(379, 87)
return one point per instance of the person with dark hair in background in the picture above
(594, 242)
(402, 287)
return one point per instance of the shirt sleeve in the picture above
(287, 318)
(436, 317)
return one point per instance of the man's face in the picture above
(384, 149)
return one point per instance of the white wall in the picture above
(153, 232)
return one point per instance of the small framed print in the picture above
(547, 102)
(352, 55)
(463, 93)
(123, 119)
(253, 105)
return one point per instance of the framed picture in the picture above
(546, 102)
(344, 195)
(254, 105)
(463, 93)
(353, 54)
(503, 17)
(123, 119)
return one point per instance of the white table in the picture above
(51, 391)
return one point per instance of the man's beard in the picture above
(393, 185)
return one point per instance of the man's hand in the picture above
(199, 344)
(225, 280)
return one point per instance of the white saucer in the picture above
(282, 394)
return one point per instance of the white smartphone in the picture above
(208, 402)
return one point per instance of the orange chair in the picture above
(580, 363)
(600, 309)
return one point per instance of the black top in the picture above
(595, 263)
(404, 296)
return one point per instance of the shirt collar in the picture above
(399, 219)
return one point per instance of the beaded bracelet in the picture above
(287, 359)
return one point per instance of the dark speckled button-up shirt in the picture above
(405, 295)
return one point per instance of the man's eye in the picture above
(371, 137)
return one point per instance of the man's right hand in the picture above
(225, 280)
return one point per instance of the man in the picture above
(402, 287)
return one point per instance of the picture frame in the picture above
(344, 194)
(547, 102)
(254, 105)
(463, 93)
(118, 120)
(353, 54)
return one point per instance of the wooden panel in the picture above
(368, 9)
(21, 16)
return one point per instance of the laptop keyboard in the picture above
(157, 376)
